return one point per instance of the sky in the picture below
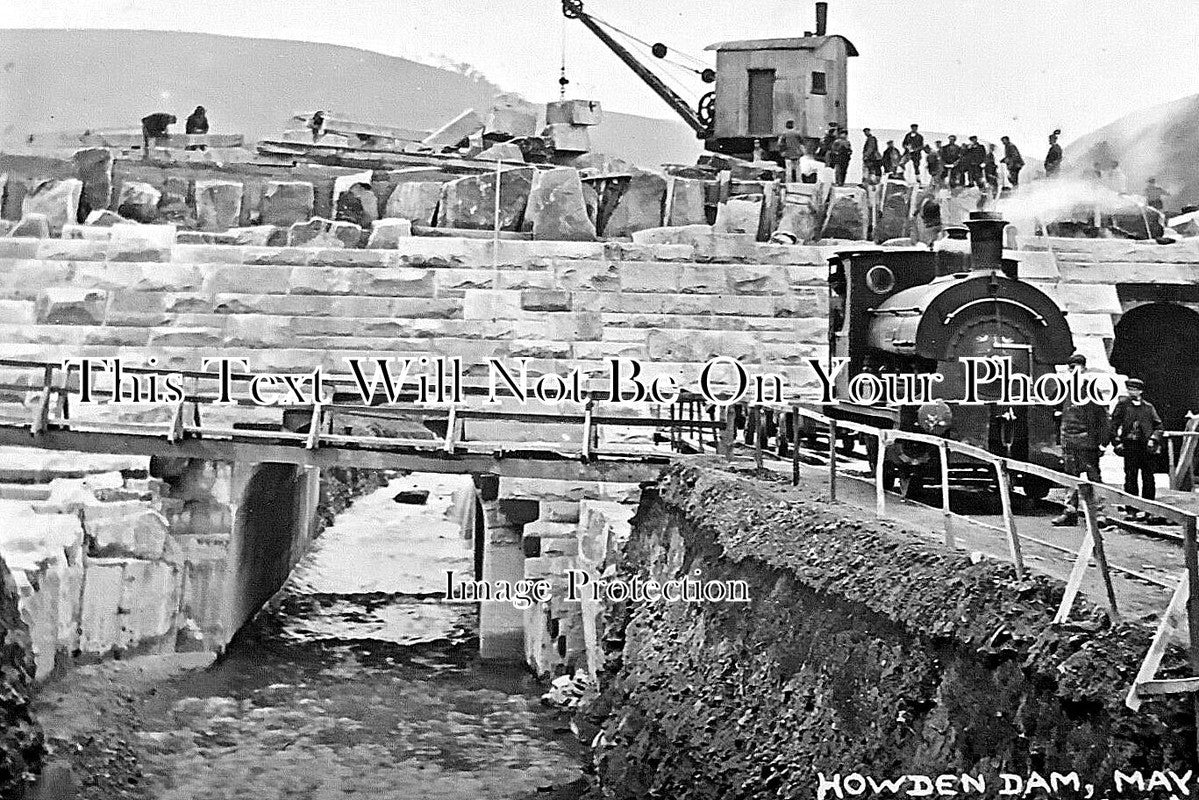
(1014, 67)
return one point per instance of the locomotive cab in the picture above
(910, 312)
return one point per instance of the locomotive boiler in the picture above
(911, 312)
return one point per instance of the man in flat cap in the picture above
(1136, 434)
(1084, 432)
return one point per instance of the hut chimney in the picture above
(821, 18)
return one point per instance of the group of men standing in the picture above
(952, 164)
(947, 163)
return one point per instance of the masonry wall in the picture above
(864, 650)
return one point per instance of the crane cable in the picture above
(562, 79)
(698, 65)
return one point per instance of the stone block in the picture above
(574, 112)
(567, 138)
(512, 115)
(65, 305)
(93, 167)
(848, 214)
(415, 201)
(320, 232)
(685, 202)
(218, 204)
(557, 208)
(103, 218)
(142, 534)
(460, 127)
(254, 236)
(285, 203)
(35, 226)
(640, 206)
(893, 214)
(501, 152)
(545, 300)
(469, 202)
(742, 214)
(178, 202)
(357, 204)
(489, 304)
(800, 210)
(57, 200)
(138, 201)
(386, 233)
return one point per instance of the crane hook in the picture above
(572, 9)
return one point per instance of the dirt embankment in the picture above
(864, 650)
(21, 745)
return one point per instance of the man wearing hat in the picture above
(1136, 434)
(1084, 432)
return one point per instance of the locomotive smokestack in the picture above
(986, 242)
(821, 18)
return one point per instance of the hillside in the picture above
(1161, 142)
(57, 80)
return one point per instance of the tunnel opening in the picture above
(271, 526)
(1159, 343)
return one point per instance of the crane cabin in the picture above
(763, 83)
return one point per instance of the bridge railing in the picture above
(1179, 620)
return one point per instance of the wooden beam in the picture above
(1169, 686)
(943, 453)
(1077, 573)
(1090, 510)
(1170, 624)
(1009, 518)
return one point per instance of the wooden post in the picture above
(729, 433)
(1009, 519)
(950, 542)
(795, 434)
(1086, 497)
(759, 437)
(1077, 573)
(832, 459)
(1168, 625)
(880, 493)
(1191, 555)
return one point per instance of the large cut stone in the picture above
(512, 116)
(557, 208)
(93, 166)
(894, 211)
(103, 218)
(574, 112)
(592, 165)
(69, 305)
(640, 205)
(848, 214)
(255, 235)
(386, 233)
(470, 202)
(566, 138)
(177, 204)
(285, 203)
(138, 201)
(415, 201)
(460, 127)
(800, 211)
(501, 152)
(685, 202)
(320, 232)
(218, 205)
(739, 215)
(35, 225)
(58, 200)
(358, 205)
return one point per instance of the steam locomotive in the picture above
(919, 311)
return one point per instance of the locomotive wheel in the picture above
(1035, 488)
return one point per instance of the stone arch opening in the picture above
(1159, 343)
